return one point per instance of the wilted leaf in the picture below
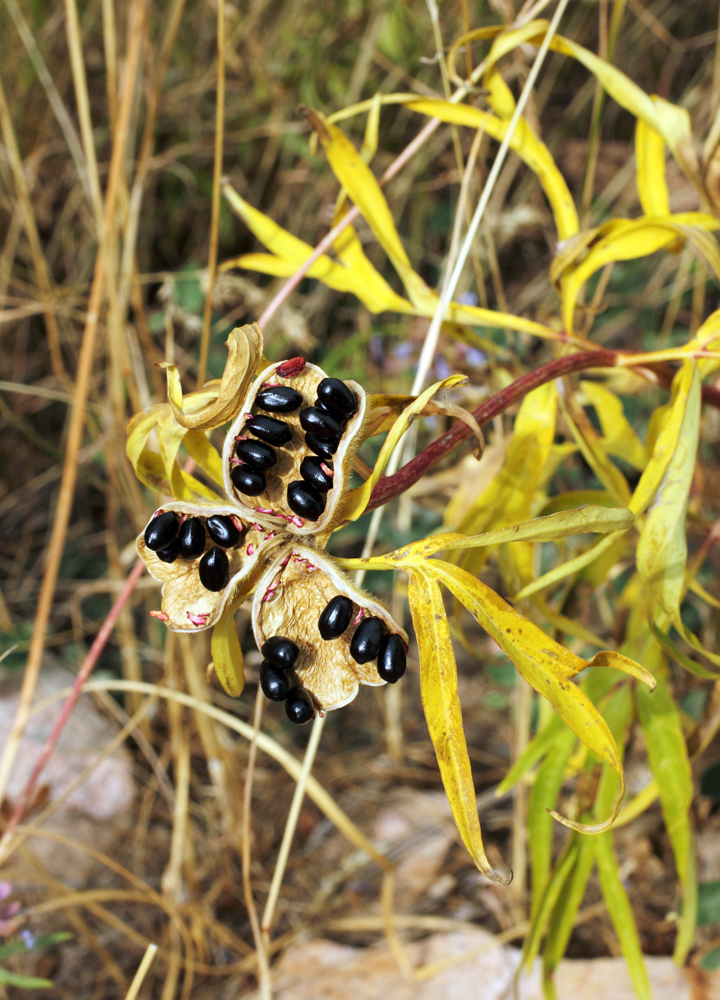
(438, 678)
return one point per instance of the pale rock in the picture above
(97, 813)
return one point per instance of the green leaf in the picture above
(708, 905)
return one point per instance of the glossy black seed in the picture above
(391, 661)
(279, 399)
(248, 480)
(280, 651)
(316, 421)
(222, 530)
(305, 500)
(325, 447)
(191, 539)
(270, 430)
(214, 570)
(337, 397)
(161, 530)
(261, 456)
(170, 554)
(336, 617)
(312, 473)
(365, 643)
(299, 706)
(342, 420)
(274, 682)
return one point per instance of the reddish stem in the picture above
(415, 469)
(85, 670)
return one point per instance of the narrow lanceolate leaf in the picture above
(651, 180)
(355, 502)
(662, 548)
(563, 917)
(227, 656)
(545, 665)
(591, 518)
(438, 678)
(668, 756)
(619, 436)
(590, 444)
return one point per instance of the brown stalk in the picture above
(42, 271)
(77, 420)
(217, 175)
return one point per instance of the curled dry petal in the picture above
(288, 602)
(186, 604)
(194, 411)
(272, 506)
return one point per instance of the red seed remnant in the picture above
(291, 367)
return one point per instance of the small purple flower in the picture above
(476, 357)
(468, 299)
(29, 938)
(442, 368)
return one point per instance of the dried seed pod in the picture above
(257, 454)
(171, 552)
(299, 706)
(305, 501)
(276, 505)
(247, 480)
(161, 530)
(365, 643)
(335, 618)
(391, 659)
(337, 397)
(274, 682)
(214, 569)
(223, 531)
(186, 602)
(281, 651)
(289, 601)
(312, 471)
(313, 420)
(270, 430)
(279, 399)
(191, 538)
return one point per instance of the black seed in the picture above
(299, 706)
(214, 570)
(274, 681)
(170, 554)
(222, 530)
(279, 399)
(342, 421)
(316, 421)
(305, 500)
(325, 447)
(248, 480)
(312, 473)
(280, 651)
(255, 453)
(192, 538)
(365, 643)
(336, 396)
(269, 429)
(336, 617)
(161, 530)
(391, 661)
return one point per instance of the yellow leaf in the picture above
(546, 665)
(628, 239)
(651, 181)
(227, 655)
(590, 444)
(662, 547)
(355, 502)
(540, 529)
(438, 678)
(619, 436)
(571, 566)
(684, 389)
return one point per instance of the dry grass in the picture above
(117, 124)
